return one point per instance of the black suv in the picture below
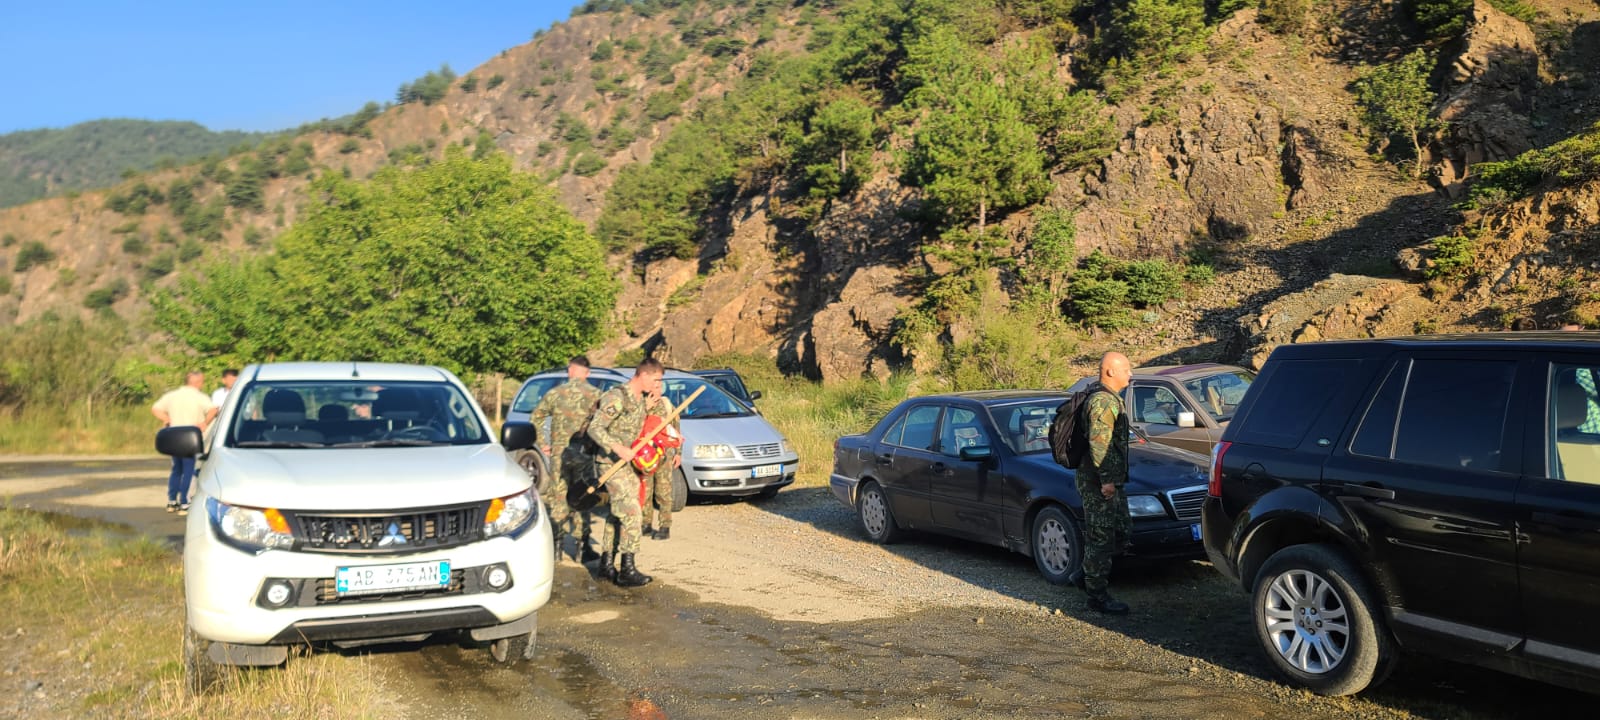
(1433, 494)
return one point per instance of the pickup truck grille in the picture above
(387, 532)
(1187, 501)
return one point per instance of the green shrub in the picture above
(1285, 17)
(134, 245)
(190, 249)
(469, 84)
(1152, 282)
(254, 235)
(1199, 274)
(1453, 258)
(5, 284)
(9, 240)
(104, 297)
(1102, 303)
(603, 51)
(1396, 100)
(125, 228)
(161, 265)
(1569, 162)
(350, 145)
(495, 80)
(429, 88)
(33, 253)
(587, 164)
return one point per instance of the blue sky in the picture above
(239, 65)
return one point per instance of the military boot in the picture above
(604, 571)
(662, 534)
(1103, 602)
(629, 576)
(586, 553)
(558, 537)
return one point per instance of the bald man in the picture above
(1101, 476)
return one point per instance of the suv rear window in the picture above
(1289, 398)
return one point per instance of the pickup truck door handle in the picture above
(1376, 492)
(1566, 521)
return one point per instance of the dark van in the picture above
(1437, 495)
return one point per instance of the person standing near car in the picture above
(658, 485)
(617, 423)
(220, 395)
(1101, 477)
(568, 407)
(187, 406)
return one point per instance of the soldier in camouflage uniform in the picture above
(658, 486)
(618, 420)
(567, 406)
(1101, 477)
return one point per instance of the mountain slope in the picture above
(37, 163)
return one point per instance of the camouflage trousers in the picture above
(1107, 529)
(658, 494)
(626, 520)
(554, 494)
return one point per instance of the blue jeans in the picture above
(178, 482)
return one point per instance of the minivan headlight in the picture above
(713, 452)
(785, 447)
(249, 529)
(511, 515)
(1145, 506)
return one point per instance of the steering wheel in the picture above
(417, 432)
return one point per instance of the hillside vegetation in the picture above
(981, 192)
(96, 154)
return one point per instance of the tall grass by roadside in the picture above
(79, 430)
(811, 414)
(99, 618)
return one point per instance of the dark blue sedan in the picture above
(977, 465)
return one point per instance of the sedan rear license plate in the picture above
(762, 471)
(368, 579)
(1194, 532)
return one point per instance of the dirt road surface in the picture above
(779, 609)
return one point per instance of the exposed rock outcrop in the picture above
(1341, 307)
(847, 335)
(1486, 106)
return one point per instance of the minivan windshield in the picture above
(713, 403)
(353, 413)
(535, 390)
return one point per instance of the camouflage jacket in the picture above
(1107, 461)
(618, 418)
(568, 407)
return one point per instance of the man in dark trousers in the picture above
(1101, 477)
(618, 421)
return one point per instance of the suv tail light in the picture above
(1214, 489)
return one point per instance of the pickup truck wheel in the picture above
(514, 649)
(1315, 617)
(200, 674)
(1057, 546)
(680, 490)
(877, 520)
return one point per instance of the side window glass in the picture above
(1155, 404)
(1454, 413)
(917, 429)
(1575, 414)
(1375, 437)
(962, 429)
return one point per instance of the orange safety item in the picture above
(651, 453)
(667, 438)
(648, 457)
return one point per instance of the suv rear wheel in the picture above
(1317, 623)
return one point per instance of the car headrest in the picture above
(333, 412)
(283, 406)
(1572, 401)
(398, 404)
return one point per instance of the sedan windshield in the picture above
(713, 403)
(1220, 394)
(316, 414)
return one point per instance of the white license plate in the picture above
(367, 579)
(762, 471)
(1194, 531)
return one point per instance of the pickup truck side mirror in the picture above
(181, 441)
(1186, 420)
(518, 435)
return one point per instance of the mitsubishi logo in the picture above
(392, 537)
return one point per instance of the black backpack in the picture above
(1069, 441)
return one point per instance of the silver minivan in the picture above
(728, 449)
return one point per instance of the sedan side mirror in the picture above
(181, 441)
(1186, 420)
(755, 395)
(977, 452)
(518, 435)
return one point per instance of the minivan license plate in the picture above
(762, 471)
(368, 579)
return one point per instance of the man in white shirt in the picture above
(185, 406)
(229, 377)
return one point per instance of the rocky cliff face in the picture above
(1252, 151)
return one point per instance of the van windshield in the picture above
(713, 403)
(324, 414)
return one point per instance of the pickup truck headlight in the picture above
(511, 515)
(249, 529)
(1145, 506)
(713, 452)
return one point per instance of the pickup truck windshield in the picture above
(357, 413)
